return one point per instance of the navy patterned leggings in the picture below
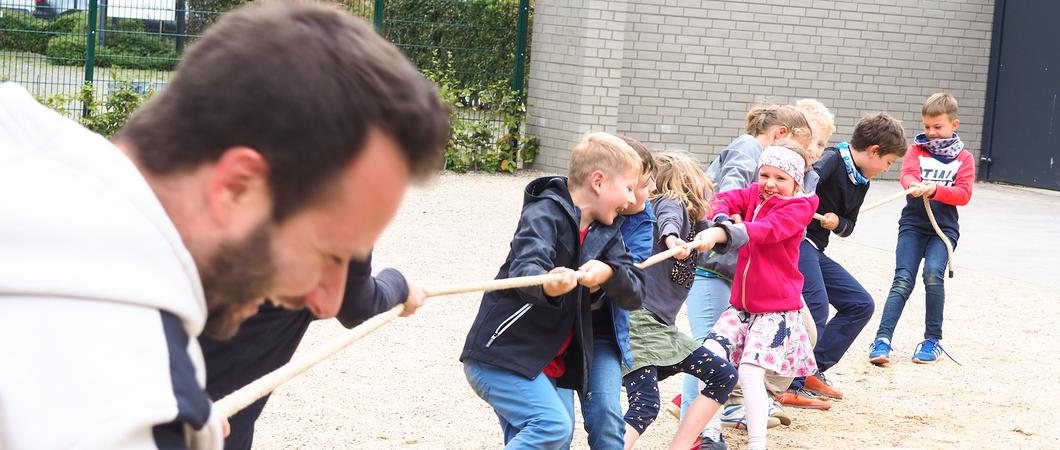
(642, 385)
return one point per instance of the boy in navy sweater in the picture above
(526, 344)
(845, 170)
(941, 169)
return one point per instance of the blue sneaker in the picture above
(880, 352)
(929, 351)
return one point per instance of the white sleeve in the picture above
(88, 374)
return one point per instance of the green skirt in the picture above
(654, 343)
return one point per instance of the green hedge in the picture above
(20, 31)
(479, 35)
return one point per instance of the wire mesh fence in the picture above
(52, 47)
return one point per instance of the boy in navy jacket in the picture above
(526, 343)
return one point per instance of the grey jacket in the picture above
(735, 168)
(662, 296)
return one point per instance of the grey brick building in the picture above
(681, 74)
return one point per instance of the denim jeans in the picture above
(708, 298)
(534, 414)
(602, 406)
(828, 283)
(912, 247)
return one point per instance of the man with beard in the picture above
(276, 155)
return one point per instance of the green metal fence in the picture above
(53, 47)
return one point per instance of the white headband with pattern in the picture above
(784, 159)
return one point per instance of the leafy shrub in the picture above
(481, 35)
(132, 50)
(20, 31)
(492, 142)
(75, 22)
(104, 116)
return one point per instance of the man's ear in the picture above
(238, 184)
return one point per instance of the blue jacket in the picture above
(522, 329)
(637, 232)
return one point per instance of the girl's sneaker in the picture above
(880, 352)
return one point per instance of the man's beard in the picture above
(239, 274)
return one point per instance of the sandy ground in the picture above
(402, 387)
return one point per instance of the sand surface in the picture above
(402, 387)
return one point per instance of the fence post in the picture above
(377, 15)
(90, 45)
(520, 47)
(517, 73)
(182, 25)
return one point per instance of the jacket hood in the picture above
(553, 189)
(81, 223)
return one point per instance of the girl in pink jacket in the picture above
(762, 329)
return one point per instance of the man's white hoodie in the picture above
(100, 301)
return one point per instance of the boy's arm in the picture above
(367, 296)
(534, 248)
(625, 288)
(910, 167)
(847, 222)
(783, 222)
(961, 192)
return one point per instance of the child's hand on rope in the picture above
(706, 239)
(596, 274)
(563, 286)
(830, 222)
(674, 241)
(415, 299)
(924, 189)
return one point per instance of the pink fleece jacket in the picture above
(767, 270)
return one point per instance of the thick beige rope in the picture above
(236, 401)
(938, 231)
(872, 206)
(931, 217)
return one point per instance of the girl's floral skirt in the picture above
(775, 341)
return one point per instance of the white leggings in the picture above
(755, 398)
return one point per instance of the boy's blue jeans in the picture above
(708, 298)
(602, 406)
(912, 247)
(828, 283)
(533, 413)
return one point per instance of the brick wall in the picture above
(681, 75)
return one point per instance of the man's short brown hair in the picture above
(940, 103)
(604, 152)
(301, 83)
(879, 129)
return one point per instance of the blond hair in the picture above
(604, 152)
(679, 177)
(817, 114)
(940, 103)
(761, 118)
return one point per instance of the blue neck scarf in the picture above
(852, 172)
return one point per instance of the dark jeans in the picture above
(912, 247)
(828, 283)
